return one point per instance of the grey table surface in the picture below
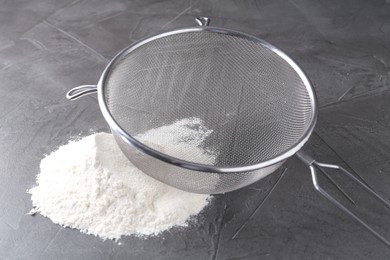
(50, 46)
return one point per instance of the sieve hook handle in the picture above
(314, 166)
(202, 21)
(80, 91)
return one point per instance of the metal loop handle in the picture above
(203, 21)
(313, 165)
(80, 91)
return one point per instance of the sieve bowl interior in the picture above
(257, 102)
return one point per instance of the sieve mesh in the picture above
(254, 101)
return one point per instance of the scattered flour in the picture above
(90, 185)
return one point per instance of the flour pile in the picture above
(90, 185)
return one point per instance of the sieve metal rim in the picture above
(116, 129)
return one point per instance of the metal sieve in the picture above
(258, 102)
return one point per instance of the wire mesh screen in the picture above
(255, 103)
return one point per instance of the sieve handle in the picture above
(80, 91)
(314, 165)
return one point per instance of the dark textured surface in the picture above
(49, 46)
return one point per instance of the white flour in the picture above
(90, 185)
(188, 133)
